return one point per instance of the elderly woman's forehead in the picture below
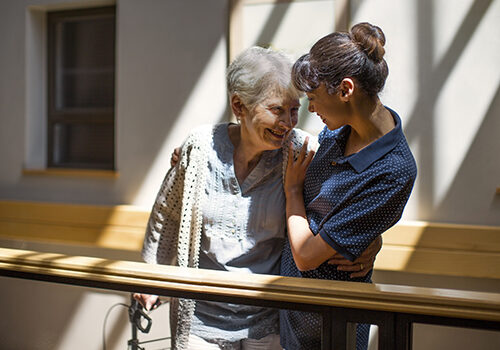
(282, 97)
(283, 91)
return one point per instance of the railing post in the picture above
(404, 332)
(326, 329)
(387, 330)
(337, 333)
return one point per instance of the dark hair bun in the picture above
(370, 39)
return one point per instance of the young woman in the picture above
(356, 185)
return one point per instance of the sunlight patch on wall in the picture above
(205, 105)
(464, 100)
(302, 24)
(413, 206)
(401, 91)
(448, 17)
(85, 315)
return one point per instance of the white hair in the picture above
(257, 73)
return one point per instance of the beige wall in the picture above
(436, 51)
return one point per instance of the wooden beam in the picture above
(124, 275)
(410, 246)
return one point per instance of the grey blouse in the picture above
(243, 231)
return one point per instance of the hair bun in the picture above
(370, 39)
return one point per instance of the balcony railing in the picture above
(393, 308)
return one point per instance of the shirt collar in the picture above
(377, 149)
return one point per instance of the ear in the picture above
(237, 106)
(346, 89)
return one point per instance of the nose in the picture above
(287, 120)
(310, 107)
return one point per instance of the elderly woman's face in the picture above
(272, 120)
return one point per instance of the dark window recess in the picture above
(81, 91)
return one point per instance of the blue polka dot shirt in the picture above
(349, 202)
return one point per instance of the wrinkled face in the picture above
(270, 122)
(330, 108)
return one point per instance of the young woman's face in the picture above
(270, 122)
(330, 108)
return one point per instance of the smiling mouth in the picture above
(277, 134)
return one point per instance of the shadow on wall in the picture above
(482, 156)
(165, 59)
(433, 77)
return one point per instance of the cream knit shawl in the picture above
(173, 233)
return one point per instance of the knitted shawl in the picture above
(173, 233)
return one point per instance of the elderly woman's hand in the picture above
(148, 301)
(362, 265)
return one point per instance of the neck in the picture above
(246, 154)
(370, 122)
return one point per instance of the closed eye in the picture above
(276, 110)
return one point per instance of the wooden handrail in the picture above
(253, 288)
(410, 246)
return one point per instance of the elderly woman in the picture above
(222, 205)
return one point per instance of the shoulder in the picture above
(200, 133)
(402, 156)
(403, 163)
(396, 169)
(327, 134)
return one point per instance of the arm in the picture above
(160, 232)
(309, 251)
(162, 228)
(160, 241)
(350, 232)
(362, 265)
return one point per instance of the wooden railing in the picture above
(393, 308)
(410, 246)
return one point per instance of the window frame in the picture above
(77, 116)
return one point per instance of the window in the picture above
(81, 88)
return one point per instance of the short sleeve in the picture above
(377, 205)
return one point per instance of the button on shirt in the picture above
(349, 202)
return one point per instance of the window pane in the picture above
(83, 145)
(81, 77)
(85, 62)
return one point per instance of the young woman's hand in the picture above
(296, 169)
(363, 264)
(174, 158)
